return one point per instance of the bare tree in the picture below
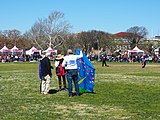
(49, 31)
(11, 34)
(14, 37)
(136, 34)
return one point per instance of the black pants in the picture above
(104, 63)
(144, 64)
(60, 81)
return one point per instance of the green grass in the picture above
(123, 91)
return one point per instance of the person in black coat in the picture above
(143, 62)
(45, 73)
(104, 59)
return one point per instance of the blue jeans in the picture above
(72, 75)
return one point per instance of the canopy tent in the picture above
(16, 50)
(157, 51)
(135, 50)
(86, 74)
(50, 50)
(5, 49)
(138, 50)
(32, 51)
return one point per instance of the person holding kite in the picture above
(70, 64)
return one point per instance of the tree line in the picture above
(54, 31)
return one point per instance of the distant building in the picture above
(153, 39)
(157, 37)
(122, 38)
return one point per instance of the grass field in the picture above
(123, 91)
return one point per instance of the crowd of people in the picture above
(124, 57)
(19, 58)
(92, 57)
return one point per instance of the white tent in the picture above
(50, 50)
(138, 50)
(5, 49)
(135, 50)
(16, 50)
(32, 50)
(156, 51)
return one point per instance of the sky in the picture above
(111, 16)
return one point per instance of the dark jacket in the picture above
(46, 67)
(40, 69)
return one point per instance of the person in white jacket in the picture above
(70, 64)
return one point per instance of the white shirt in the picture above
(56, 63)
(70, 61)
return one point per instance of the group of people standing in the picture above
(65, 66)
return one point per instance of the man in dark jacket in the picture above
(45, 74)
(143, 62)
(104, 59)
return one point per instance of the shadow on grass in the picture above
(86, 93)
(53, 91)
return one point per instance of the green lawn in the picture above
(123, 91)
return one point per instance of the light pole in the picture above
(98, 49)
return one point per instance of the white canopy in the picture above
(156, 51)
(135, 50)
(138, 50)
(15, 49)
(50, 50)
(5, 49)
(32, 50)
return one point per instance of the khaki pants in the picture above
(45, 84)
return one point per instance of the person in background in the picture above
(60, 71)
(45, 74)
(70, 64)
(143, 62)
(104, 59)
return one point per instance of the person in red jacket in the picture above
(60, 71)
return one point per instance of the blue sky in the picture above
(106, 15)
